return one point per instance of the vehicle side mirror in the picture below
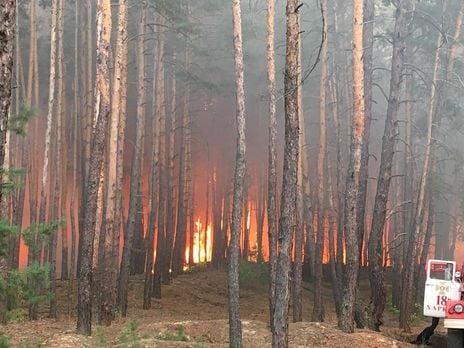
(457, 274)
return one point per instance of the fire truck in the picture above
(443, 298)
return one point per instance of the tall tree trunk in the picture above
(260, 207)
(332, 227)
(246, 230)
(7, 36)
(136, 175)
(183, 195)
(235, 325)
(32, 51)
(62, 157)
(290, 176)
(161, 124)
(48, 133)
(154, 173)
(171, 204)
(299, 231)
(346, 318)
(89, 95)
(376, 274)
(420, 274)
(368, 44)
(318, 308)
(411, 256)
(99, 136)
(272, 158)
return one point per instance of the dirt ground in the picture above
(193, 313)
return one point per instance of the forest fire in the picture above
(202, 245)
(136, 143)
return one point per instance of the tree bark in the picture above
(184, 181)
(136, 175)
(290, 177)
(411, 256)
(346, 318)
(89, 204)
(272, 158)
(171, 199)
(7, 36)
(376, 275)
(368, 43)
(161, 124)
(235, 325)
(318, 307)
(299, 231)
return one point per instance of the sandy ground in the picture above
(193, 313)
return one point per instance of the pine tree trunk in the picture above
(75, 134)
(376, 274)
(99, 136)
(318, 308)
(272, 158)
(32, 51)
(136, 175)
(332, 222)
(346, 318)
(420, 274)
(207, 212)
(7, 34)
(154, 174)
(299, 231)
(62, 157)
(411, 256)
(48, 135)
(183, 198)
(235, 325)
(246, 231)
(161, 187)
(290, 177)
(7, 37)
(368, 43)
(171, 204)
(89, 95)
(261, 206)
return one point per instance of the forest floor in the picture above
(193, 313)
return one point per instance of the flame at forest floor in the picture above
(202, 244)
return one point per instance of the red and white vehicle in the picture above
(443, 298)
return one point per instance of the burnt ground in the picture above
(193, 313)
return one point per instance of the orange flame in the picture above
(200, 253)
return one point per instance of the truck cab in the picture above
(443, 298)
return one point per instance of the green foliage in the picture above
(34, 343)
(6, 230)
(38, 283)
(13, 179)
(130, 337)
(101, 340)
(4, 341)
(17, 123)
(36, 234)
(13, 289)
(390, 307)
(178, 335)
(199, 345)
(16, 316)
(253, 275)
